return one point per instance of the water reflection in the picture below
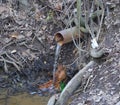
(23, 99)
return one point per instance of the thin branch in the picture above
(86, 20)
(13, 60)
(10, 62)
(103, 11)
(70, 6)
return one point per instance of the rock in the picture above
(95, 53)
(118, 103)
(80, 104)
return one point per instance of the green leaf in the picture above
(62, 86)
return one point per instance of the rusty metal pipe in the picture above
(65, 36)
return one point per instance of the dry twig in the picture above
(10, 62)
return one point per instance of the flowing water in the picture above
(57, 52)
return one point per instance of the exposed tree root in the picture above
(72, 85)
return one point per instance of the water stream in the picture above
(23, 99)
(57, 52)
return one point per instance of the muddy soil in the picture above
(27, 47)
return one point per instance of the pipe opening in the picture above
(58, 37)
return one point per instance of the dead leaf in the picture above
(7, 40)
(38, 14)
(26, 53)
(60, 75)
(3, 9)
(32, 56)
(50, 39)
(13, 51)
(58, 6)
(52, 47)
(29, 34)
(44, 27)
(14, 35)
(21, 37)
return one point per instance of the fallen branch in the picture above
(11, 43)
(10, 62)
(72, 85)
